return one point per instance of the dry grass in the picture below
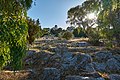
(9, 75)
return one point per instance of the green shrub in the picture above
(67, 35)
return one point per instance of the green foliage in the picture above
(12, 40)
(4, 54)
(33, 29)
(78, 15)
(45, 31)
(109, 20)
(78, 32)
(94, 36)
(67, 35)
(55, 31)
(39, 34)
(13, 32)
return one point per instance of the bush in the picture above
(67, 35)
(78, 32)
(94, 36)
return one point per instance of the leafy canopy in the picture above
(13, 32)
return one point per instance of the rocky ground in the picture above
(67, 60)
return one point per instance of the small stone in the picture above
(82, 44)
(92, 74)
(76, 78)
(89, 68)
(30, 52)
(114, 77)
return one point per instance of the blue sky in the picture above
(52, 12)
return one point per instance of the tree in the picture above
(109, 19)
(45, 31)
(70, 29)
(34, 29)
(13, 32)
(76, 32)
(55, 30)
(78, 16)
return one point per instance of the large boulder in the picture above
(77, 62)
(51, 74)
(82, 60)
(68, 61)
(101, 67)
(69, 64)
(113, 65)
(114, 77)
(61, 48)
(102, 56)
